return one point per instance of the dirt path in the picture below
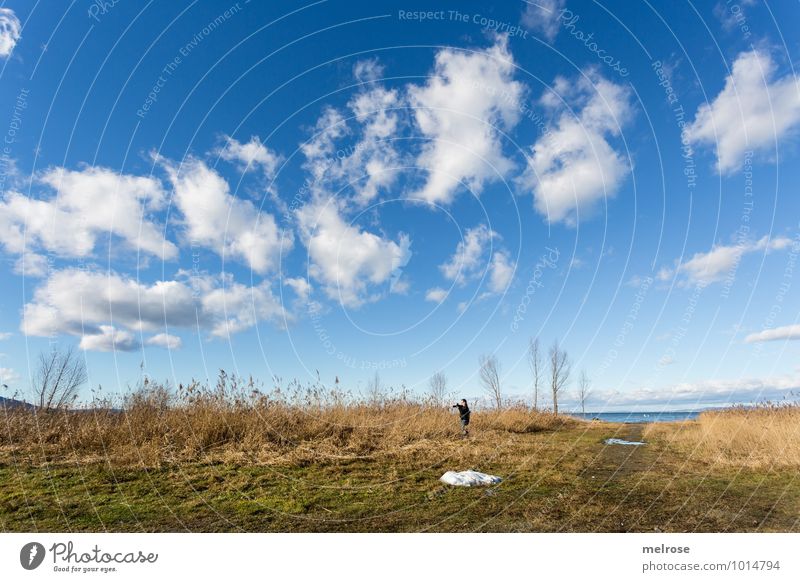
(620, 460)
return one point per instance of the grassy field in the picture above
(278, 466)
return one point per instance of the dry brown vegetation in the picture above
(761, 437)
(233, 457)
(236, 420)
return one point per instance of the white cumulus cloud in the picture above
(477, 255)
(573, 165)
(693, 394)
(787, 332)
(109, 339)
(466, 98)
(435, 294)
(86, 205)
(231, 227)
(165, 340)
(721, 261)
(320, 149)
(31, 265)
(469, 258)
(347, 260)
(77, 302)
(367, 70)
(366, 162)
(10, 31)
(102, 307)
(250, 156)
(234, 307)
(301, 287)
(372, 165)
(543, 16)
(501, 271)
(754, 111)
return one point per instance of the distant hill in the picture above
(11, 403)
(14, 404)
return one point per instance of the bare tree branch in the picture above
(584, 388)
(58, 378)
(535, 362)
(375, 389)
(559, 372)
(438, 387)
(490, 378)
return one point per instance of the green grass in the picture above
(566, 480)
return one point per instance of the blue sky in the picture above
(338, 188)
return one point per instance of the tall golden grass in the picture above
(236, 419)
(765, 436)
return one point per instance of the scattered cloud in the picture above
(474, 257)
(109, 339)
(501, 271)
(367, 70)
(543, 16)
(374, 109)
(86, 204)
(31, 265)
(466, 98)
(733, 15)
(787, 332)
(10, 31)
(752, 112)
(77, 302)
(721, 261)
(399, 285)
(435, 294)
(372, 165)
(4, 335)
(664, 274)
(165, 340)
(300, 286)
(368, 163)
(215, 219)
(228, 307)
(346, 259)
(469, 259)
(320, 148)
(102, 307)
(250, 156)
(573, 165)
(705, 393)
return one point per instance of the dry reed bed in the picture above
(762, 437)
(236, 422)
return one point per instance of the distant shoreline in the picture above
(639, 417)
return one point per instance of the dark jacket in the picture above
(463, 411)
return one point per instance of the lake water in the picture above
(668, 416)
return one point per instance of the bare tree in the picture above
(559, 372)
(584, 388)
(375, 389)
(490, 378)
(438, 387)
(56, 382)
(535, 362)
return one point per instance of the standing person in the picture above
(463, 412)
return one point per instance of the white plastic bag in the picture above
(469, 478)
